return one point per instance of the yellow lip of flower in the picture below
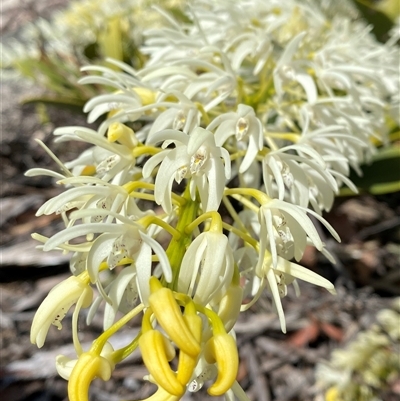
(155, 354)
(57, 303)
(169, 316)
(89, 366)
(222, 349)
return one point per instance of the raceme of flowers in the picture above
(203, 184)
(368, 364)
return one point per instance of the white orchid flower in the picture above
(88, 193)
(112, 161)
(285, 228)
(286, 70)
(53, 309)
(277, 277)
(245, 127)
(182, 116)
(116, 242)
(195, 156)
(207, 266)
(288, 176)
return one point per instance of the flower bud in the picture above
(187, 362)
(222, 349)
(89, 366)
(122, 133)
(65, 365)
(229, 306)
(169, 316)
(156, 354)
(57, 303)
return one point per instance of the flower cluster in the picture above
(51, 51)
(368, 364)
(256, 108)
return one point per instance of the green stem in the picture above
(177, 247)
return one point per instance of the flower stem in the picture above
(177, 247)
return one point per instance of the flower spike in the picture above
(208, 110)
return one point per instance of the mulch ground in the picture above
(273, 367)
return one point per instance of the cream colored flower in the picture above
(57, 303)
(207, 267)
(195, 156)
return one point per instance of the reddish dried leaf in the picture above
(305, 335)
(242, 371)
(333, 332)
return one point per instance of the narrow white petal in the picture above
(162, 256)
(309, 87)
(276, 297)
(271, 236)
(325, 223)
(83, 229)
(143, 268)
(153, 162)
(302, 273)
(99, 252)
(34, 172)
(290, 50)
(250, 155)
(116, 293)
(190, 264)
(227, 162)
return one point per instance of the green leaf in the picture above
(381, 176)
(380, 21)
(75, 104)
